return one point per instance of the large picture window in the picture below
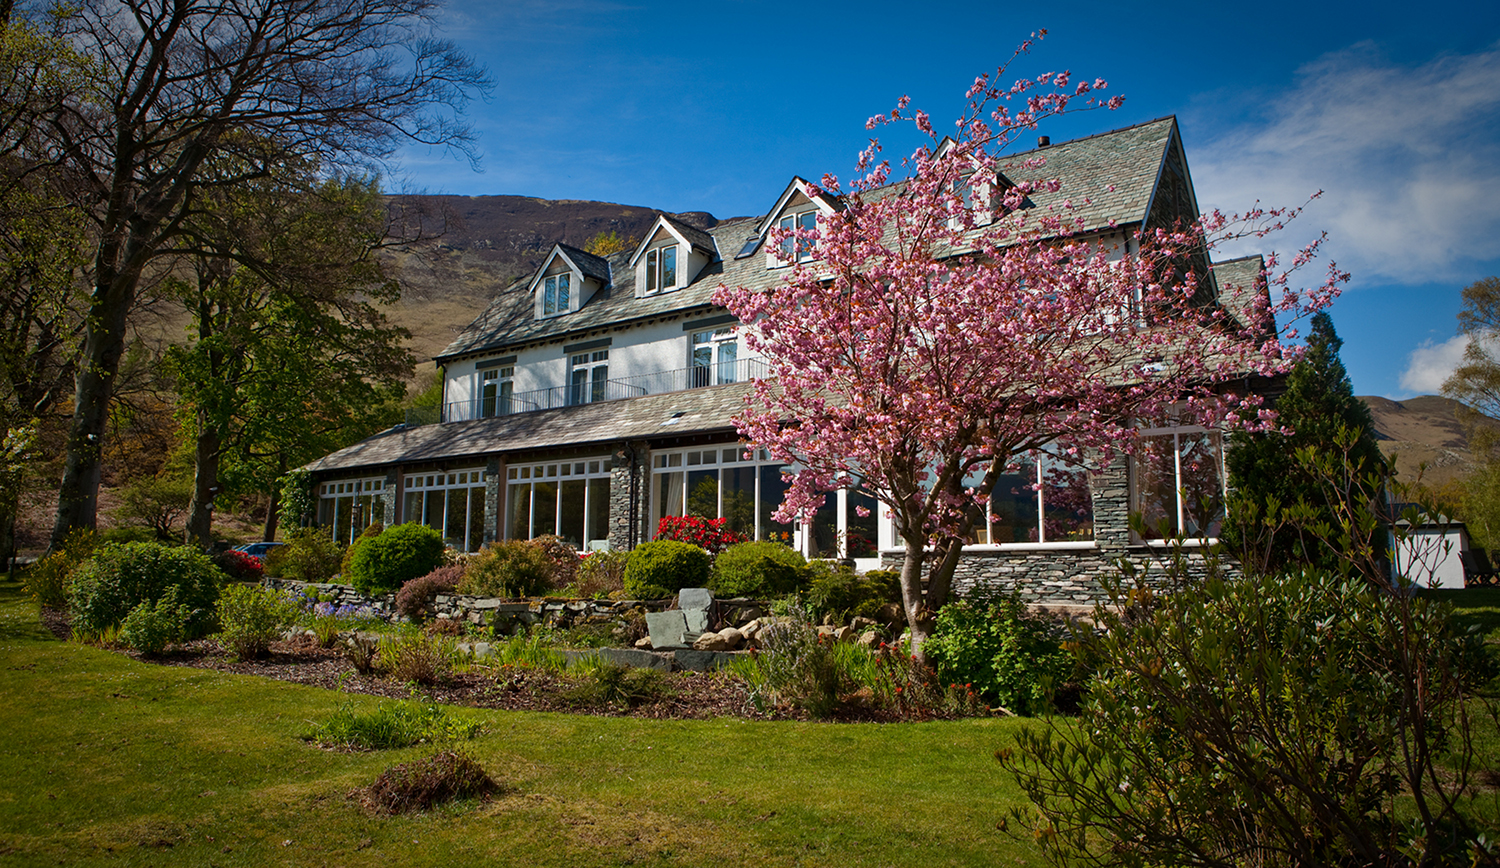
(719, 482)
(566, 498)
(1177, 483)
(452, 503)
(1041, 499)
(348, 506)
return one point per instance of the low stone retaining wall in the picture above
(1064, 579)
(505, 615)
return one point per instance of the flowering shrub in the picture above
(239, 566)
(416, 595)
(710, 534)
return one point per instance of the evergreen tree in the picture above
(1264, 469)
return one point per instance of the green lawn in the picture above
(107, 761)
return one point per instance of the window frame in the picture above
(501, 379)
(806, 250)
(527, 474)
(717, 370)
(557, 293)
(654, 271)
(594, 386)
(1136, 497)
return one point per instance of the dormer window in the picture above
(661, 269)
(555, 290)
(805, 248)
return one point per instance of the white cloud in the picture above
(1432, 363)
(1409, 159)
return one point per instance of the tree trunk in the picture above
(205, 486)
(921, 609)
(103, 345)
(273, 514)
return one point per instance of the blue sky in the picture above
(1392, 109)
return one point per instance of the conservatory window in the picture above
(566, 498)
(1177, 483)
(451, 503)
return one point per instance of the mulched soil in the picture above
(689, 695)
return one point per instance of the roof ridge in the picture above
(1170, 117)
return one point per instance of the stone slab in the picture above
(695, 598)
(636, 658)
(666, 629)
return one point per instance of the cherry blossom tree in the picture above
(941, 330)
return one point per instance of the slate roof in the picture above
(695, 236)
(1239, 283)
(696, 411)
(1108, 177)
(593, 266)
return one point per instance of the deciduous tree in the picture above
(291, 355)
(191, 96)
(923, 350)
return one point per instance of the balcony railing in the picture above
(657, 383)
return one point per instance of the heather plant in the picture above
(414, 600)
(562, 559)
(599, 684)
(310, 555)
(251, 617)
(508, 568)
(758, 569)
(117, 578)
(384, 562)
(661, 568)
(425, 783)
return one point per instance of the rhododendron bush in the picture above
(941, 329)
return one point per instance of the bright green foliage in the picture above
(397, 555)
(509, 568)
(757, 569)
(532, 649)
(251, 617)
(371, 530)
(1010, 657)
(1263, 468)
(297, 501)
(120, 577)
(661, 568)
(392, 724)
(837, 593)
(310, 555)
(1292, 719)
(48, 579)
(150, 628)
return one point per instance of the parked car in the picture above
(257, 549)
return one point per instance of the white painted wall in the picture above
(1429, 556)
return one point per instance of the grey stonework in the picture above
(494, 497)
(629, 459)
(1069, 576)
(390, 498)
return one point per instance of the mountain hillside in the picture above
(1424, 430)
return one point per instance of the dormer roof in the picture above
(685, 234)
(582, 261)
(826, 203)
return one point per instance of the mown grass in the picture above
(107, 761)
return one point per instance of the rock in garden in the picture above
(710, 642)
(869, 639)
(732, 637)
(643, 643)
